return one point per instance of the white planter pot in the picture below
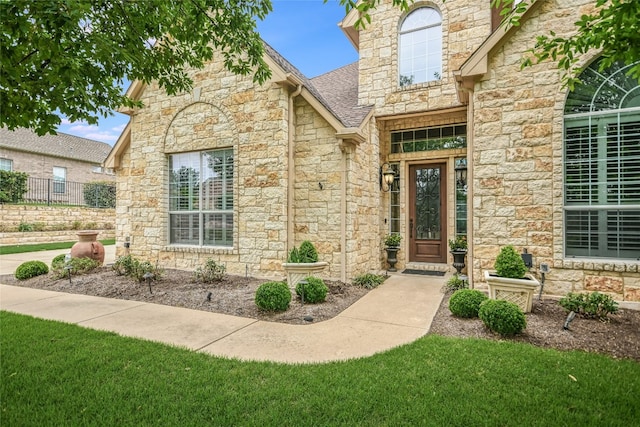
(517, 291)
(298, 271)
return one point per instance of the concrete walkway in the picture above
(397, 312)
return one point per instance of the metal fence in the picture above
(56, 192)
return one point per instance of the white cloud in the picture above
(119, 128)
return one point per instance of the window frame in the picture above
(431, 50)
(59, 180)
(5, 161)
(210, 214)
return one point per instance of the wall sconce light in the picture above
(387, 176)
(461, 174)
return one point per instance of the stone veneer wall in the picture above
(518, 171)
(55, 217)
(465, 25)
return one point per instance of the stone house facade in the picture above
(481, 148)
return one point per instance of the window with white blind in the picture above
(602, 166)
(201, 198)
(6, 165)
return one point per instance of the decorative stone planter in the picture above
(298, 271)
(88, 246)
(517, 291)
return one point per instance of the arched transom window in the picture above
(602, 165)
(420, 41)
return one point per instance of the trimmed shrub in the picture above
(466, 302)
(509, 263)
(315, 290)
(77, 266)
(369, 280)
(210, 272)
(30, 269)
(306, 254)
(100, 194)
(592, 304)
(13, 186)
(58, 261)
(503, 317)
(273, 296)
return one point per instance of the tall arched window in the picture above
(602, 165)
(420, 42)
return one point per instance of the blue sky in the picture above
(305, 32)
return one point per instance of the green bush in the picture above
(454, 283)
(592, 304)
(76, 266)
(306, 254)
(25, 226)
(273, 296)
(503, 317)
(466, 302)
(129, 266)
(30, 269)
(210, 272)
(13, 186)
(315, 290)
(100, 194)
(509, 263)
(369, 280)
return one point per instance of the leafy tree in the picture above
(613, 27)
(71, 57)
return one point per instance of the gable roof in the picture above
(61, 145)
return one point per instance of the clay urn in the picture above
(88, 246)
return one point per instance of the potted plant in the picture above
(458, 248)
(392, 246)
(510, 280)
(302, 262)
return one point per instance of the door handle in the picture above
(411, 228)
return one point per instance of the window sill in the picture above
(594, 264)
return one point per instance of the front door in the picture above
(427, 213)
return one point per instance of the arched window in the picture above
(602, 165)
(420, 42)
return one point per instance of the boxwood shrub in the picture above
(273, 296)
(503, 317)
(30, 269)
(466, 302)
(315, 290)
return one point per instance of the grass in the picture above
(61, 374)
(17, 249)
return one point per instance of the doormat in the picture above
(424, 272)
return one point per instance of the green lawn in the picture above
(17, 249)
(61, 374)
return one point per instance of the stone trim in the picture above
(596, 265)
(217, 250)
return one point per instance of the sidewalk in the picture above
(9, 263)
(397, 312)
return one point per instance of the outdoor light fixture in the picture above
(387, 176)
(461, 174)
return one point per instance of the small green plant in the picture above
(76, 225)
(315, 290)
(25, 226)
(503, 317)
(273, 296)
(454, 283)
(136, 269)
(210, 272)
(509, 263)
(75, 266)
(458, 244)
(58, 261)
(392, 240)
(466, 302)
(306, 254)
(30, 269)
(592, 304)
(369, 280)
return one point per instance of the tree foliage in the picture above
(71, 57)
(612, 28)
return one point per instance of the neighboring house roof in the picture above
(60, 145)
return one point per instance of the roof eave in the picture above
(113, 159)
(348, 27)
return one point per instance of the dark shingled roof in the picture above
(337, 90)
(60, 145)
